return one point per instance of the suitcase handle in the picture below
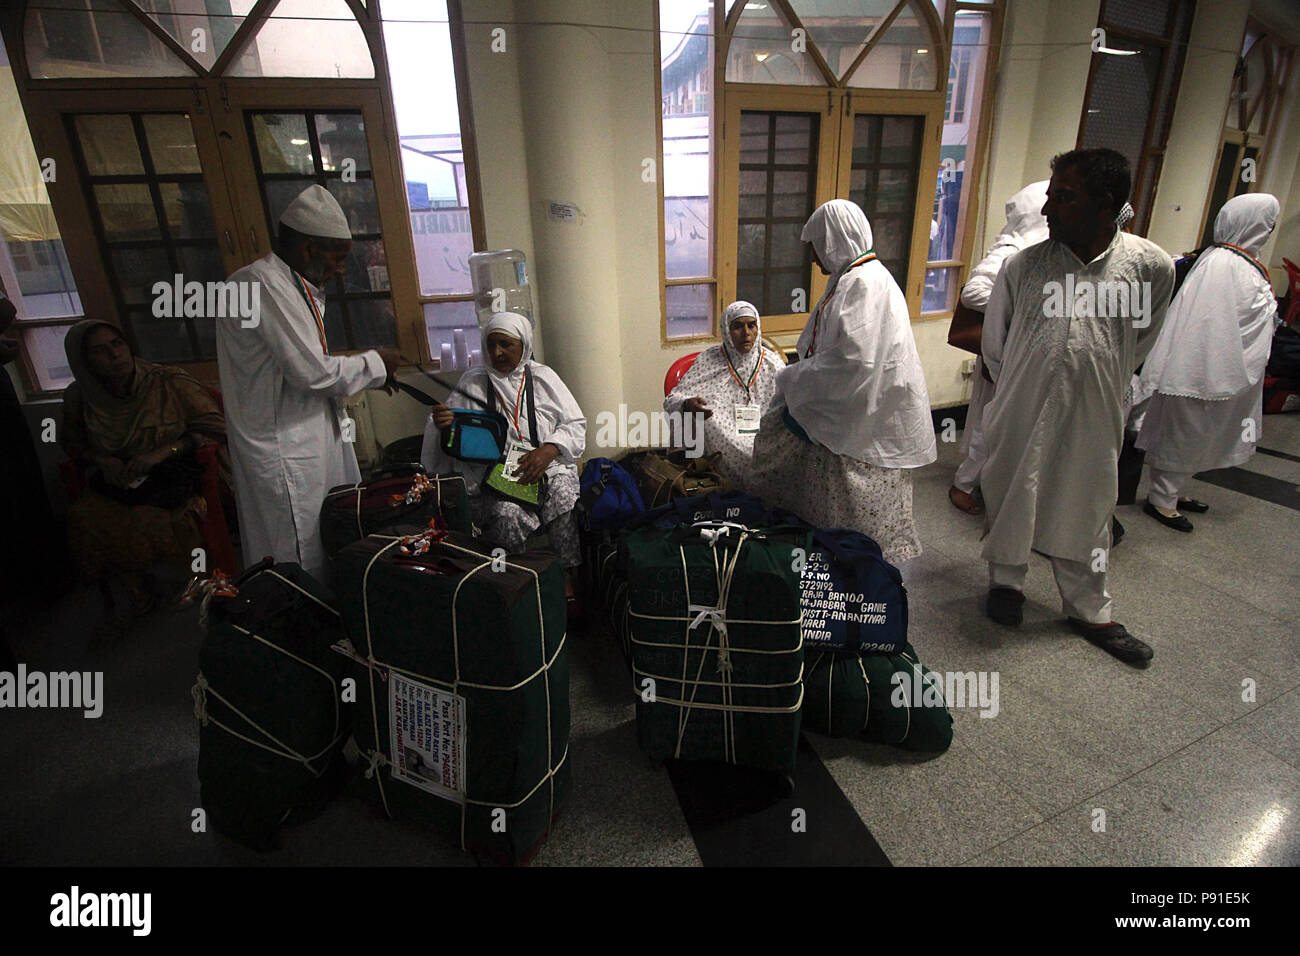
(248, 573)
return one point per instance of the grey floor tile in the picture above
(1218, 802)
(1050, 843)
(925, 810)
(1274, 727)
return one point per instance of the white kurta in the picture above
(709, 378)
(1206, 371)
(283, 399)
(1054, 427)
(1025, 226)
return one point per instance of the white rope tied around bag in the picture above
(200, 694)
(374, 760)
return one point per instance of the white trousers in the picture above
(1166, 488)
(972, 441)
(1083, 590)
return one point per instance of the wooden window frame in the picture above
(44, 99)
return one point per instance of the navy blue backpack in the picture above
(734, 506)
(609, 496)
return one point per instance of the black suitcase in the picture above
(268, 698)
(390, 498)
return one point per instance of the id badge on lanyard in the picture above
(747, 417)
(515, 451)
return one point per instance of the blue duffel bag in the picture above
(852, 598)
(609, 496)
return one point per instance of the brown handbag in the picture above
(966, 329)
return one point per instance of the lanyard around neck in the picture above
(757, 366)
(868, 256)
(315, 312)
(1246, 255)
(523, 380)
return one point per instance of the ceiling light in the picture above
(298, 142)
(760, 57)
(922, 51)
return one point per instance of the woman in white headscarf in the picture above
(1025, 227)
(560, 441)
(852, 416)
(1205, 373)
(731, 384)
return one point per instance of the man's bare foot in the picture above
(964, 501)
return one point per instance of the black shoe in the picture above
(1177, 522)
(1116, 531)
(1006, 606)
(1192, 505)
(1114, 639)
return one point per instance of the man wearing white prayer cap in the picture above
(284, 390)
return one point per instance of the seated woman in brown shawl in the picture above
(136, 425)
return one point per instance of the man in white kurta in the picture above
(284, 392)
(1205, 374)
(1062, 359)
(1025, 226)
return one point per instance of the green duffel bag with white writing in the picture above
(886, 698)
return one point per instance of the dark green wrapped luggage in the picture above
(717, 656)
(848, 695)
(464, 715)
(399, 496)
(272, 724)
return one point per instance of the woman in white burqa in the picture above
(1205, 373)
(560, 441)
(858, 395)
(731, 384)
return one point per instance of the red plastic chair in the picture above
(1292, 293)
(677, 370)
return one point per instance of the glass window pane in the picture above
(790, 193)
(366, 267)
(108, 144)
(189, 214)
(886, 156)
(204, 36)
(127, 212)
(46, 289)
(44, 346)
(753, 193)
(941, 288)
(370, 324)
(160, 340)
(971, 35)
(171, 143)
(137, 269)
(337, 48)
(282, 144)
(201, 263)
(1147, 16)
(751, 287)
(94, 38)
(751, 251)
(359, 204)
(904, 58)
(761, 51)
(690, 310)
(686, 78)
(840, 30)
(441, 321)
(423, 80)
(342, 136)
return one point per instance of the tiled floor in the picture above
(1087, 761)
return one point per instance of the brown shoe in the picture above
(964, 501)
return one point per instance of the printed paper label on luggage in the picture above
(426, 726)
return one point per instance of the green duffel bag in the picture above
(463, 713)
(848, 695)
(717, 654)
(268, 699)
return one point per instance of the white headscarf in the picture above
(735, 311)
(517, 327)
(1216, 338)
(861, 392)
(1025, 227)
